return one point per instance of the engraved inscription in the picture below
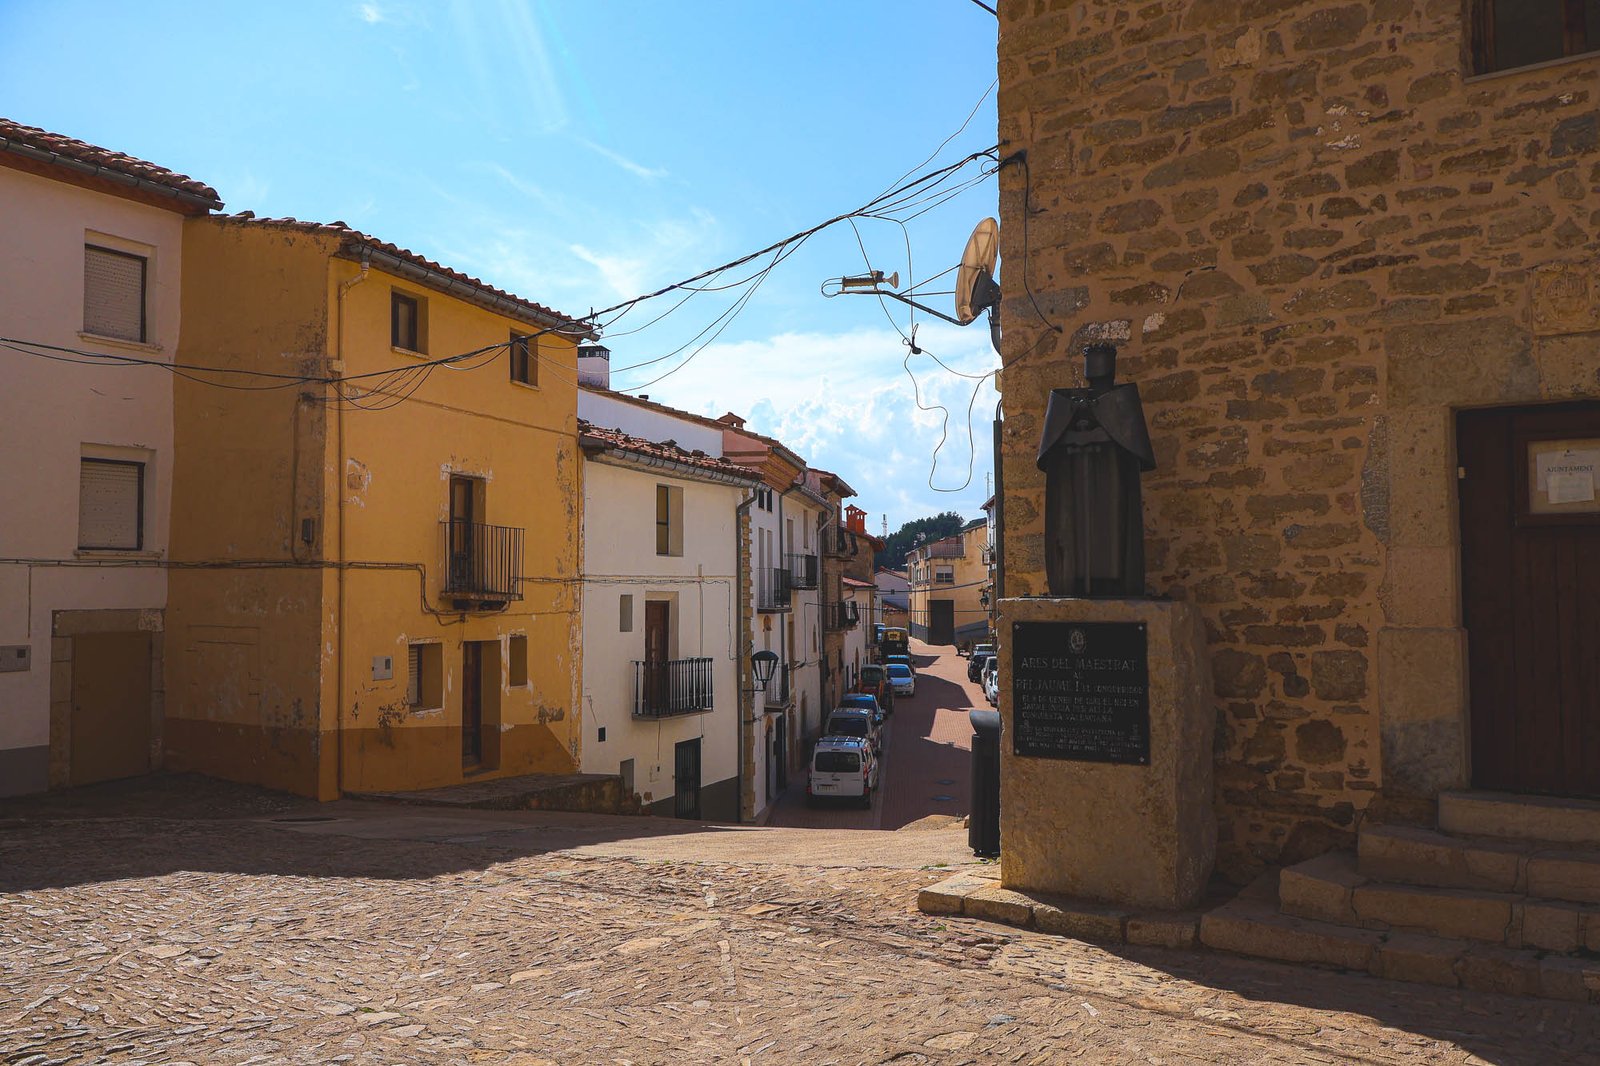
(1081, 691)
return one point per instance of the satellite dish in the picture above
(976, 291)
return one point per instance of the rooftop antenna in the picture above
(976, 291)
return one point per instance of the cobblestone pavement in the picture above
(396, 937)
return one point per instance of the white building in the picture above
(90, 262)
(662, 623)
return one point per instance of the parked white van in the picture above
(842, 767)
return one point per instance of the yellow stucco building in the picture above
(949, 581)
(373, 579)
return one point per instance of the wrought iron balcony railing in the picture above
(839, 616)
(481, 562)
(838, 543)
(988, 555)
(663, 688)
(947, 549)
(777, 691)
(772, 589)
(803, 571)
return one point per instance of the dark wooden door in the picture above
(463, 517)
(686, 779)
(941, 621)
(110, 706)
(1530, 570)
(471, 703)
(657, 614)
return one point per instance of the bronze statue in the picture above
(1093, 449)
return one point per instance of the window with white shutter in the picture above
(111, 505)
(114, 293)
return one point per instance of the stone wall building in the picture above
(1352, 265)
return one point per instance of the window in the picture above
(425, 676)
(1520, 33)
(405, 322)
(625, 614)
(110, 505)
(944, 575)
(524, 359)
(669, 520)
(114, 293)
(518, 667)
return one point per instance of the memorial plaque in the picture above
(1081, 691)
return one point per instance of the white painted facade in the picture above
(54, 414)
(622, 574)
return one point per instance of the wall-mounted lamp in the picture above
(763, 664)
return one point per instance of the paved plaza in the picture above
(178, 921)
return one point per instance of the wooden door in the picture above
(686, 779)
(463, 517)
(471, 703)
(1530, 575)
(657, 650)
(110, 706)
(941, 621)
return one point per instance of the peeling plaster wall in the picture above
(247, 696)
(521, 442)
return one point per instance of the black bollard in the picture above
(983, 824)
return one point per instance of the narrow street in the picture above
(926, 768)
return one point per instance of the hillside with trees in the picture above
(905, 538)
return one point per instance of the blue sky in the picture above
(582, 152)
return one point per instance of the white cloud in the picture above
(636, 169)
(845, 403)
(370, 13)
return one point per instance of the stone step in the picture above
(1331, 889)
(1415, 856)
(1542, 819)
(1254, 928)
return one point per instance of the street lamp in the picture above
(763, 664)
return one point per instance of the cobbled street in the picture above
(212, 929)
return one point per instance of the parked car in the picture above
(980, 649)
(903, 660)
(976, 664)
(896, 641)
(844, 768)
(874, 681)
(903, 681)
(877, 632)
(991, 681)
(864, 700)
(856, 722)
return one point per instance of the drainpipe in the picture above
(999, 512)
(747, 720)
(339, 485)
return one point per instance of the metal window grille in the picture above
(414, 675)
(663, 688)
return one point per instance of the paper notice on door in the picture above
(1583, 461)
(1576, 487)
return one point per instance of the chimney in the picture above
(594, 365)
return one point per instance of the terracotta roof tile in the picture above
(354, 241)
(591, 435)
(14, 134)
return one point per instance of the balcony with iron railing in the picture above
(988, 555)
(803, 571)
(778, 694)
(840, 616)
(838, 543)
(946, 549)
(482, 563)
(772, 589)
(665, 688)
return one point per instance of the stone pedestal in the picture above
(1140, 835)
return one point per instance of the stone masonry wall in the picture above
(1312, 233)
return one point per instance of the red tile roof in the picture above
(45, 147)
(853, 583)
(355, 242)
(592, 436)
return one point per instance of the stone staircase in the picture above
(1504, 896)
